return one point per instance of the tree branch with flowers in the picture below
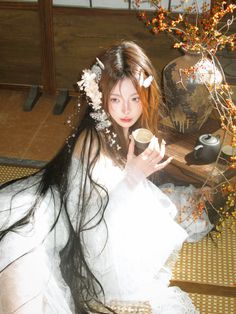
(195, 29)
(205, 30)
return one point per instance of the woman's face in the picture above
(124, 104)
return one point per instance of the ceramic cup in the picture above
(142, 138)
(228, 151)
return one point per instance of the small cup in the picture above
(228, 151)
(142, 138)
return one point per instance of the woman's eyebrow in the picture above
(119, 95)
(113, 94)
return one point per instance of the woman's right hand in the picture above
(150, 160)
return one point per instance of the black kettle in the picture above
(207, 148)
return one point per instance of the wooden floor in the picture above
(35, 135)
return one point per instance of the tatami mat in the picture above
(209, 262)
(8, 173)
(210, 304)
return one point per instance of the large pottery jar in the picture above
(187, 82)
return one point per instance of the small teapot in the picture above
(207, 148)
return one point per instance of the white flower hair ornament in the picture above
(89, 85)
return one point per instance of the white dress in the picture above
(131, 251)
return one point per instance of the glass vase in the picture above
(187, 84)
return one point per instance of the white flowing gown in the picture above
(131, 252)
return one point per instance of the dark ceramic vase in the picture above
(187, 96)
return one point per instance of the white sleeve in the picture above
(23, 285)
(29, 254)
(198, 225)
(16, 202)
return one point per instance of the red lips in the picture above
(126, 120)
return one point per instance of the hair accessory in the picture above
(147, 82)
(89, 85)
(101, 118)
(100, 64)
(97, 69)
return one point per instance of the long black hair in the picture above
(123, 60)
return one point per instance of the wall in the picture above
(20, 52)
(79, 38)
(79, 34)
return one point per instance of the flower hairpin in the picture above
(89, 85)
(102, 120)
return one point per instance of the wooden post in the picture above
(47, 44)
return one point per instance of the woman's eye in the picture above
(114, 100)
(135, 99)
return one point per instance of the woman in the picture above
(89, 229)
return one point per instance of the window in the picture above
(126, 4)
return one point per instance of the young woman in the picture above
(89, 229)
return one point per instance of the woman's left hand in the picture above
(149, 161)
